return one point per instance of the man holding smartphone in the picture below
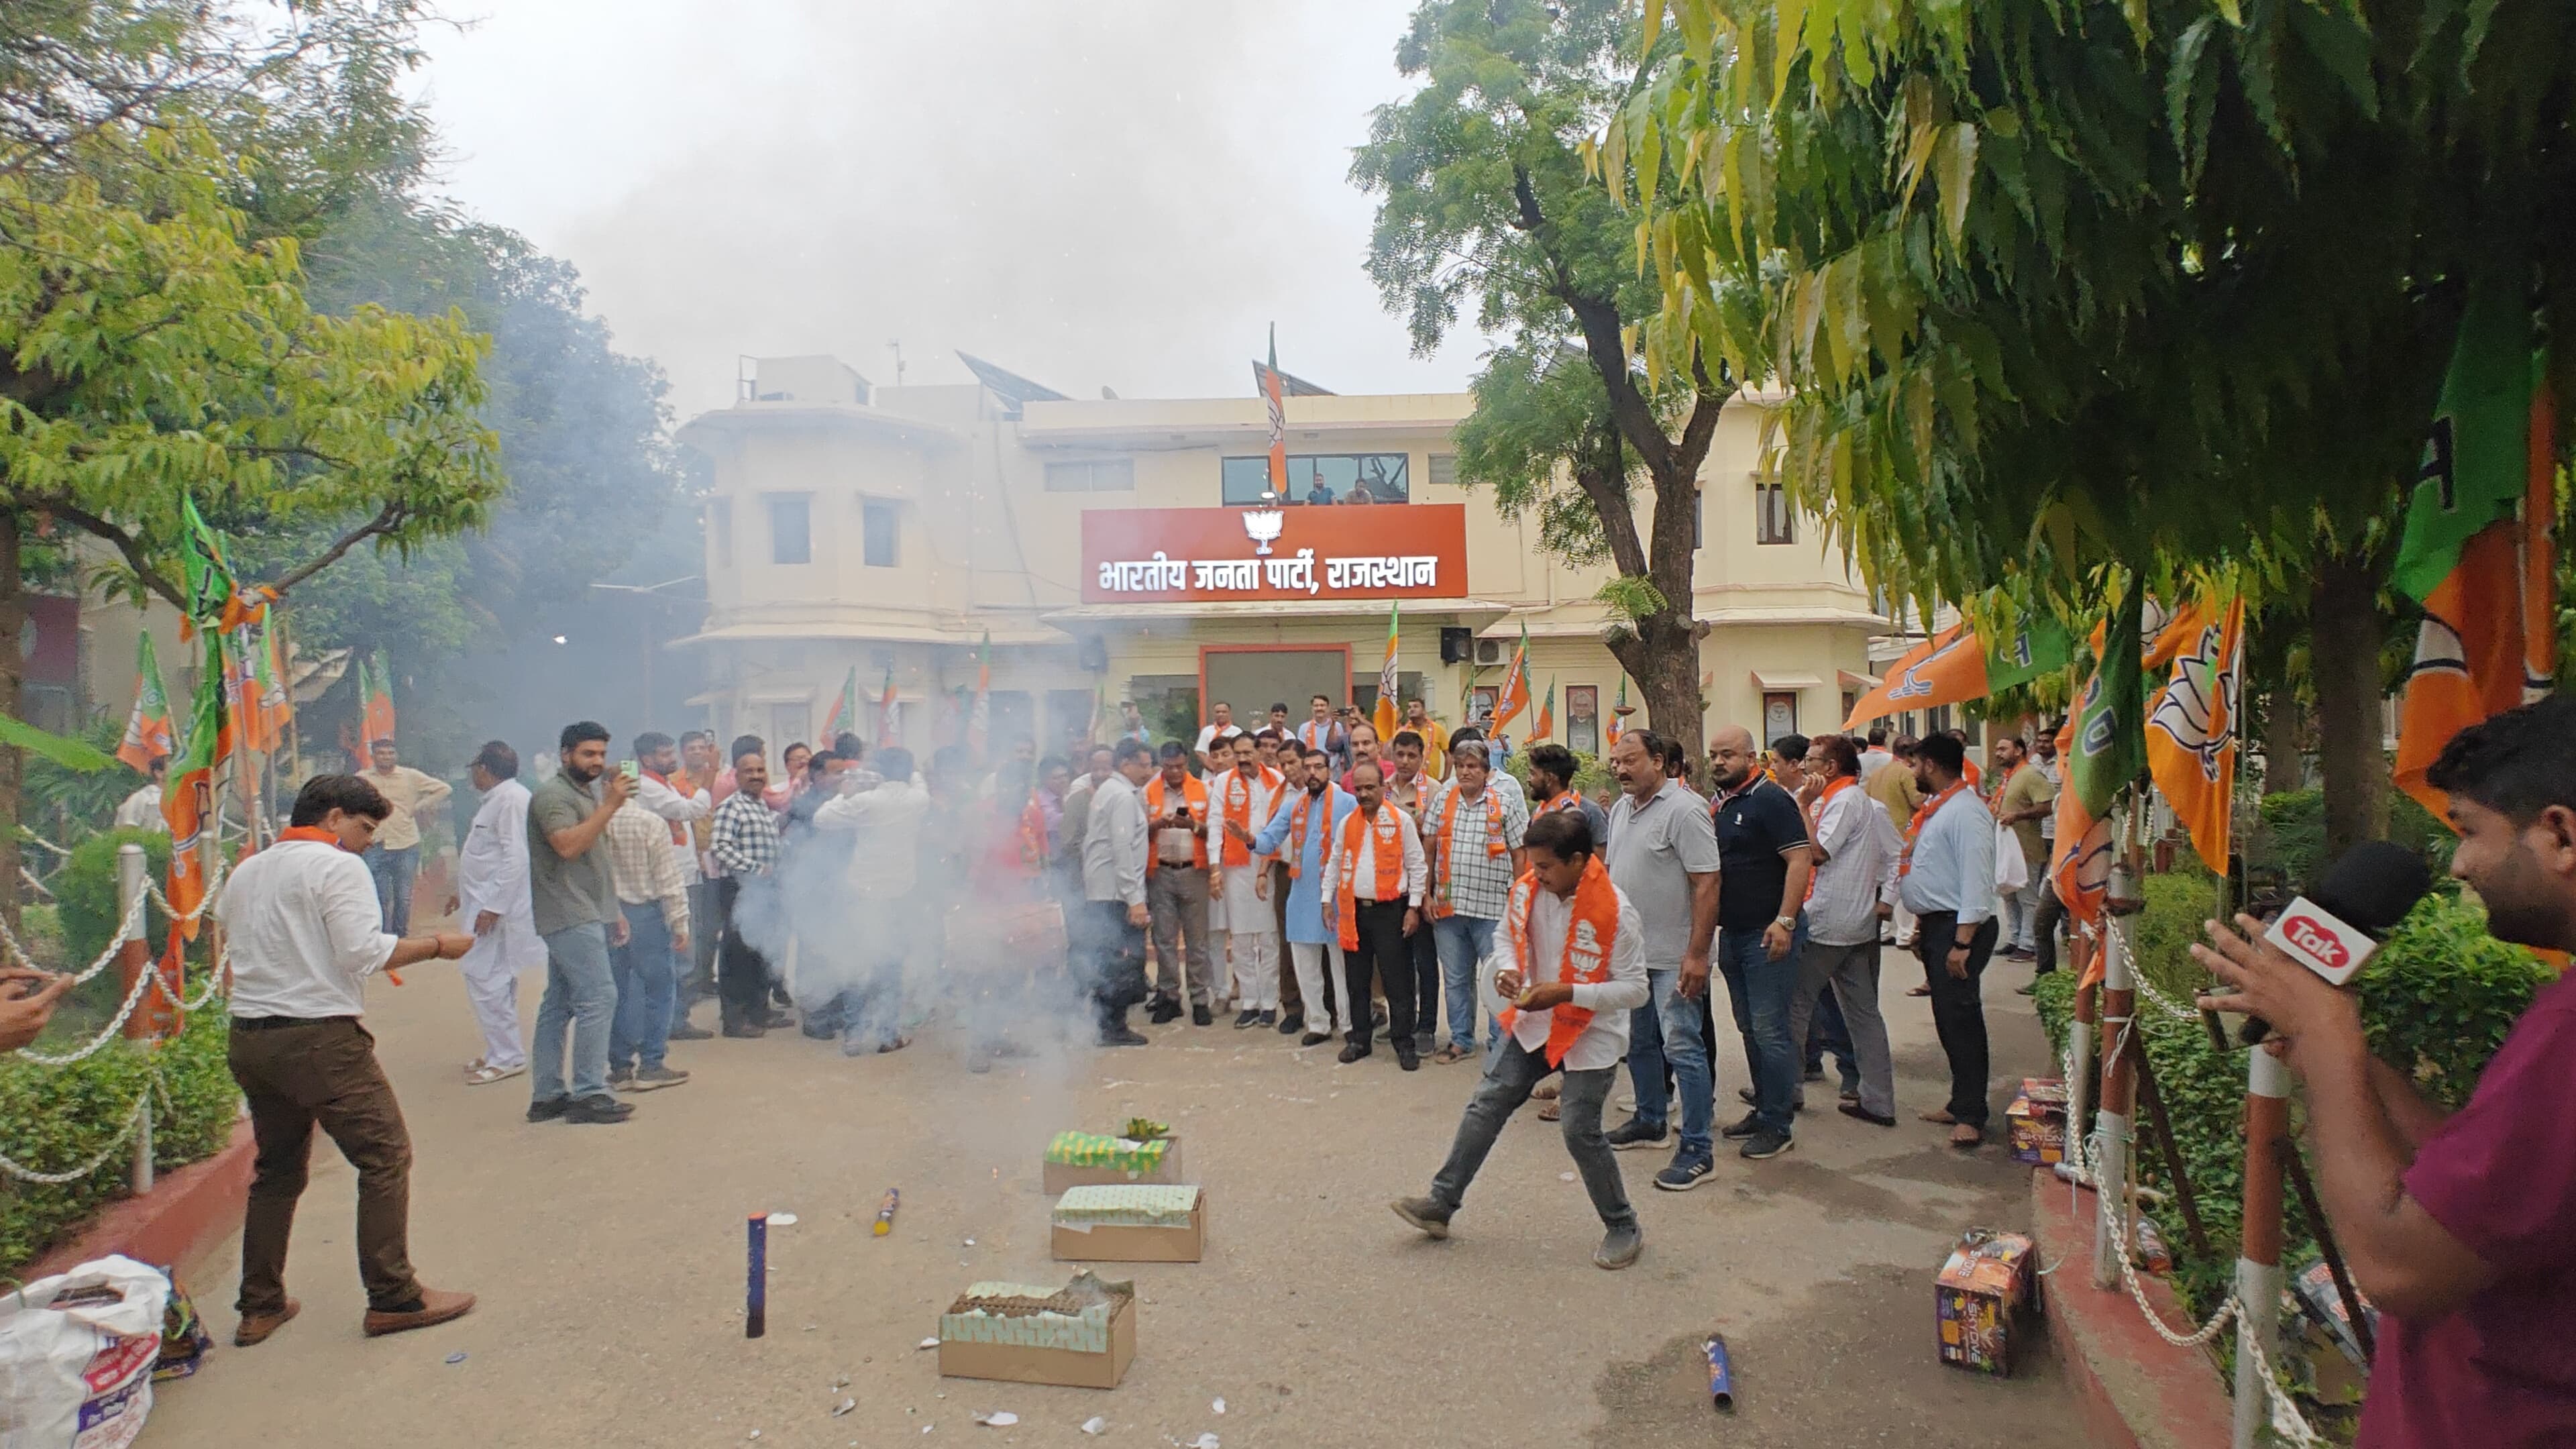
(1176, 886)
(574, 903)
(2460, 1227)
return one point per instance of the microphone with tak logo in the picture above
(2334, 928)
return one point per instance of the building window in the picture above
(1773, 519)
(720, 532)
(1092, 475)
(791, 528)
(1320, 478)
(1779, 714)
(1444, 469)
(880, 534)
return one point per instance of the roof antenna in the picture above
(896, 347)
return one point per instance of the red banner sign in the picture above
(1302, 551)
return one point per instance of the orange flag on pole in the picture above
(2191, 725)
(1386, 714)
(1515, 696)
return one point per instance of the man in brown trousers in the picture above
(305, 932)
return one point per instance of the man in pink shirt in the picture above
(2461, 1228)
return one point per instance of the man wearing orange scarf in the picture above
(1571, 967)
(1373, 882)
(1240, 802)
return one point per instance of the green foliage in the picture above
(2294, 835)
(1592, 779)
(2439, 997)
(70, 805)
(85, 892)
(53, 1118)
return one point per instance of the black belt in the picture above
(272, 1023)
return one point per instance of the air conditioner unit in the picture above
(1489, 651)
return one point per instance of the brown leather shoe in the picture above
(437, 1305)
(256, 1327)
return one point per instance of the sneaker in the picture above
(1199, 1016)
(1163, 1011)
(686, 1032)
(1406, 1056)
(1353, 1052)
(601, 1109)
(1855, 1109)
(1293, 1023)
(1685, 1172)
(1619, 1248)
(654, 1079)
(1747, 1097)
(1314, 1038)
(1123, 1035)
(1746, 1126)
(1761, 1145)
(619, 1077)
(549, 1109)
(433, 1306)
(1246, 1018)
(1425, 1039)
(1633, 1133)
(1423, 1213)
(745, 1030)
(1269, 1017)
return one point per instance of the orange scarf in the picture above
(313, 833)
(1591, 929)
(1564, 800)
(1389, 851)
(1923, 814)
(1297, 828)
(1194, 794)
(1448, 837)
(1995, 796)
(1238, 811)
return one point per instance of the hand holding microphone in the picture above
(2288, 977)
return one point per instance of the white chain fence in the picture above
(10, 1167)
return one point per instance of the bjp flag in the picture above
(1958, 664)
(1515, 694)
(2191, 725)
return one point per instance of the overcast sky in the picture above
(1123, 193)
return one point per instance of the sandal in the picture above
(1546, 1091)
(1448, 1053)
(1973, 1139)
(1937, 1114)
(895, 1045)
(487, 1075)
(1549, 1111)
(1918, 990)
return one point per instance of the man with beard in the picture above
(1299, 833)
(1766, 859)
(1373, 884)
(2459, 1227)
(1241, 801)
(1663, 857)
(574, 905)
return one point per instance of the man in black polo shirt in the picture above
(1763, 864)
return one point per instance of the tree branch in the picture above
(1599, 320)
(389, 518)
(126, 544)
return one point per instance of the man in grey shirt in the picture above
(1113, 888)
(577, 916)
(1663, 856)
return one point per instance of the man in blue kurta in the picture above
(1299, 832)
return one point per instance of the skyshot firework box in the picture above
(2036, 1122)
(1101, 1159)
(1081, 1336)
(1130, 1223)
(1977, 1297)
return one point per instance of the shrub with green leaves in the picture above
(1592, 779)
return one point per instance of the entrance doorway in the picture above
(1254, 677)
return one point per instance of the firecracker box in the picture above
(2036, 1122)
(1130, 1223)
(1098, 1159)
(1978, 1298)
(1081, 1336)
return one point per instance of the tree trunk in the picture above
(1664, 660)
(2346, 630)
(13, 620)
(2284, 769)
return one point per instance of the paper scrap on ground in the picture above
(843, 1407)
(1204, 1441)
(782, 1220)
(1000, 1419)
(930, 1342)
(1096, 1424)
(1219, 1406)
(456, 1358)
(1565, 1177)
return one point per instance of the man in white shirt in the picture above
(1563, 995)
(1876, 758)
(1947, 877)
(492, 898)
(1113, 889)
(861, 989)
(1374, 876)
(305, 932)
(395, 857)
(1239, 803)
(1855, 879)
(1220, 726)
(142, 809)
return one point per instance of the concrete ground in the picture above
(610, 1261)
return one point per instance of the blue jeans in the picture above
(1464, 941)
(581, 993)
(394, 871)
(1664, 1034)
(646, 975)
(1763, 990)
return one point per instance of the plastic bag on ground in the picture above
(76, 1356)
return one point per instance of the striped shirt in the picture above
(1479, 882)
(745, 838)
(643, 867)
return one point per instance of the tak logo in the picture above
(2317, 941)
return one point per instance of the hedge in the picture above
(53, 1118)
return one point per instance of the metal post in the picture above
(2079, 1039)
(2111, 1128)
(133, 960)
(2258, 1266)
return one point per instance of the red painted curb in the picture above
(2138, 1391)
(188, 1213)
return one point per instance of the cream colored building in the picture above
(887, 532)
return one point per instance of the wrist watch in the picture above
(1786, 923)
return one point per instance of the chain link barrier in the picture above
(10, 1167)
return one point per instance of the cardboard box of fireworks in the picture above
(1130, 1223)
(1977, 1297)
(1145, 1152)
(2036, 1121)
(1081, 1336)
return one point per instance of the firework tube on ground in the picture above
(1721, 1381)
(755, 1300)
(885, 1214)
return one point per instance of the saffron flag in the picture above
(2110, 746)
(1515, 696)
(2081, 866)
(1268, 380)
(1958, 664)
(147, 729)
(845, 705)
(276, 699)
(1546, 727)
(375, 704)
(1618, 711)
(2191, 733)
(979, 713)
(889, 717)
(2477, 551)
(1386, 712)
(188, 793)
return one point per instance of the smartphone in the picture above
(630, 768)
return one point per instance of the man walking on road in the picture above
(1176, 887)
(1663, 857)
(1114, 852)
(492, 896)
(2023, 798)
(1301, 833)
(394, 860)
(653, 901)
(1947, 877)
(305, 932)
(1473, 838)
(1571, 968)
(575, 906)
(1762, 840)
(1855, 875)
(1373, 884)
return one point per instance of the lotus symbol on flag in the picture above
(1262, 526)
